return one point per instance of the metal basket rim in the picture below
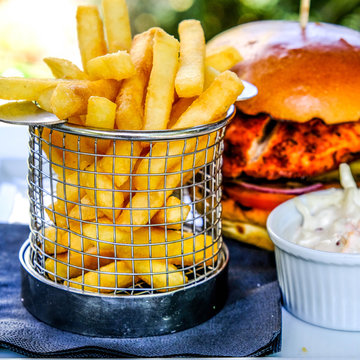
(146, 135)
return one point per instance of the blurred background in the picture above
(31, 30)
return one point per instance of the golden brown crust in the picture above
(299, 75)
(248, 233)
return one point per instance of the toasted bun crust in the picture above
(300, 75)
(246, 226)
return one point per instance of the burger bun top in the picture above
(300, 74)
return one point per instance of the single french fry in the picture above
(70, 264)
(189, 81)
(64, 69)
(158, 274)
(106, 195)
(130, 100)
(178, 109)
(160, 90)
(70, 98)
(44, 99)
(119, 159)
(209, 106)
(16, 88)
(108, 278)
(90, 33)
(173, 215)
(100, 113)
(210, 75)
(116, 66)
(117, 25)
(222, 58)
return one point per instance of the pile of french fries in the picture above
(114, 219)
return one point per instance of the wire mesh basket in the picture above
(115, 219)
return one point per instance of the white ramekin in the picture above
(322, 288)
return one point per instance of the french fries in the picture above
(174, 214)
(116, 66)
(117, 212)
(210, 75)
(102, 192)
(160, 91)
(130, 100)
(90, 34)
(209, 106)
(119, 159)
(117, 25)
(166, 275)
(65, 69)
(71, 98)
(13, 88)
(222, 58)
(100, 113)
(189, 81)
(71, 263)
(104, 279)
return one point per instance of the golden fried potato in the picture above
(100, 113)
(117, 25)
(174, 214)
(102, 192)
(209, 106)
(130, 100)
(116, 66)
(158, 274)
(189, 81)
(90, 33)
(108, 278)
(222, 58)
(71, 98)
(64, 69)
(160, 90)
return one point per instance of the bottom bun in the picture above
(247, 233)
(246, 225)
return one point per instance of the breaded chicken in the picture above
(289, 150)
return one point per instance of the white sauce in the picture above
(331, 221)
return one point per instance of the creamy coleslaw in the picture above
(331, 220)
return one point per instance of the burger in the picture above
(305, 120)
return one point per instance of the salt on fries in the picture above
(149, 82)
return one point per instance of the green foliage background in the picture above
(219, 15)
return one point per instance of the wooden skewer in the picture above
(304, 13)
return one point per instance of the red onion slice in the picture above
(295, 191)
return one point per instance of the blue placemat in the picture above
(248, 325)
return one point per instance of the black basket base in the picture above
(122, 316)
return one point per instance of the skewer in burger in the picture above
(305, 120)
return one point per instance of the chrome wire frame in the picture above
(78, 203)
